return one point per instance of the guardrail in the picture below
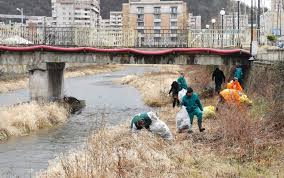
(146, 38)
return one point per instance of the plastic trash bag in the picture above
(158, 127)
(209, 112)
(245, 100)
(181, 94)
(182, 120)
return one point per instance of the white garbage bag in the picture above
(182, 120)
(158, 127)
(181, 94)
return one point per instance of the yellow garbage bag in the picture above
(209, 112)
(245, 100)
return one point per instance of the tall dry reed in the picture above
(22, 119)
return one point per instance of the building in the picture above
(39, 21)
(154, 15)
(158, 23)
(82, 13)
(194, 22)
(116, 20)
(272, 21)
(27, 20)
(277, 5)
(231, 21)
(105, 24)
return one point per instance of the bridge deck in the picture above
(157, 52)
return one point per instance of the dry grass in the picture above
(11, 85)
(232, 145)
(22, 119)
(154, 86)
(90, 70)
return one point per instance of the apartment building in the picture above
(231, 21)
(273, 21)
(82, 13)
(116, 20)
(194, 22)
(154, 15)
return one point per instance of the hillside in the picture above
(206, 8)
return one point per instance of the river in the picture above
(24, 156)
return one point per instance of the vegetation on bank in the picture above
(235, 144)
(22, 119)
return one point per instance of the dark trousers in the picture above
(175, 102)
(218, 87)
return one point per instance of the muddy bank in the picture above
(16, 81)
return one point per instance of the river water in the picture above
(24, 156)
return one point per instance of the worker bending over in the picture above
(234, 84)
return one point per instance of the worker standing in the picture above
(219, 77)
(174, 90)
(239, 74)
(193, 108)
(182, 82)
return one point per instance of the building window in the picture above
(173, 16)
(157, 10)
(157, 16)
(140, 31)
(157, 24)
(140, 24)
(140, 18)
(140, 10)
(173, 10)
(173, 39)
(173, 24)
(157, 31)
(157, 39)
(173, 31)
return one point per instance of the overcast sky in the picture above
(265, 2)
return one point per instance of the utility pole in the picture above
(251, 23)
(258, 23)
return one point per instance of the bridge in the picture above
(44, 51)
(46, 63)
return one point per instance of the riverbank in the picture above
(22, 119)
(234, 144)
(11, 83)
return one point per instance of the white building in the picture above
(194, 22)
(116, 20)
(231, 21)
(273, 21)
(105, 24)
(83, 13)
(40, 21)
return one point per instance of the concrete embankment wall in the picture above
(266, 79)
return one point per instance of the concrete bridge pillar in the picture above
(47, 84)
(55, 80)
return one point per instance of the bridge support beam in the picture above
(47, 84)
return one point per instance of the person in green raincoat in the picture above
(239, 74)
(193, 108)
(182, 82)
(141, 121)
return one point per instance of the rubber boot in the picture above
(200, 126)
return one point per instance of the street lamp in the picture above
(207, 26)
(238, 42)
(22, 14)
(222, 13)
(213, 21)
